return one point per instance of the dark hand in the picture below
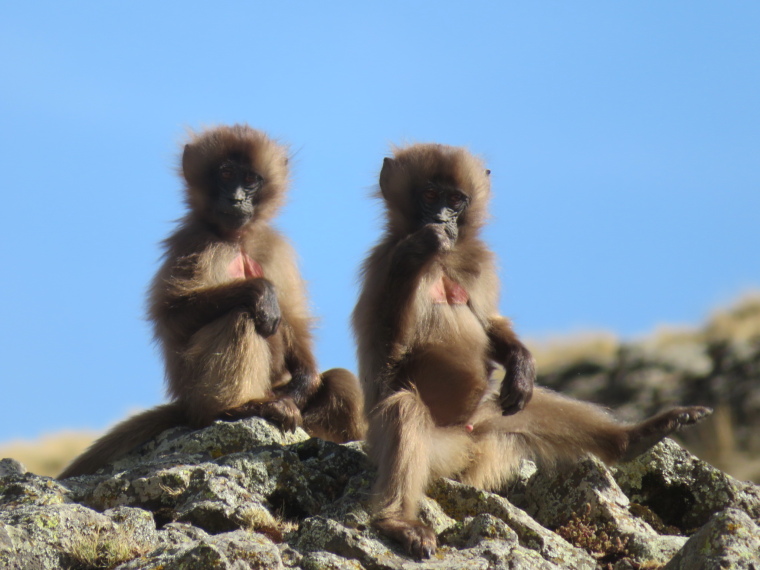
(515, 395)
(436, 237)
(265, 311)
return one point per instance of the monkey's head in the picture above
(235, 175)
(434, 184)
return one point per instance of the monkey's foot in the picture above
(644, 435)
(417, 538)
(283, 412)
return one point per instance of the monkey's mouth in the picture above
(234, 217)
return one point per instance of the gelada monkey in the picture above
(229, 308)
(428, 333)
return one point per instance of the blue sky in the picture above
(623, 139)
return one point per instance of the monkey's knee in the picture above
(402, 412)
(336, 411)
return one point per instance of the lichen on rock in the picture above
(244, 495)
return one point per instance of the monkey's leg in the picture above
(399, 439)
(280, 410)
(225, 373)
(336, 411)
(555, 428)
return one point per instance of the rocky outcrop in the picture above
(243, 495)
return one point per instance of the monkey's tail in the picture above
(124, 437)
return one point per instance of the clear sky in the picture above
(623, 140)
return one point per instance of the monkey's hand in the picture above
(519, 365)
(436, 237)
(415, 250)
(281, 410)
(264, 307)
(515, 393)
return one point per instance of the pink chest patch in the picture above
(448, 292)
(244, 267)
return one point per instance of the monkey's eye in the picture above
(251, 179)
(456, 200)
(226, 174)
(430, 196)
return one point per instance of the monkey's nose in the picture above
(238, 195)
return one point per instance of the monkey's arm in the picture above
(187, 312)
(408, 260)
(506, 349)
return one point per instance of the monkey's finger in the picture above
(692, 415)
(514, 402)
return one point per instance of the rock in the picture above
(584, 504)
(682, 490)
(730, 539)
(243, 495)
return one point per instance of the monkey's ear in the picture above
(188, 159)
(385, 174)
(488, 172)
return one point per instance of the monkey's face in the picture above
(427, 184)
(236, 189)
(441, 204)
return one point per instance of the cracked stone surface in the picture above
(243, 495)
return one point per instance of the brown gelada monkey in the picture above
(229, 309)
(428, 333)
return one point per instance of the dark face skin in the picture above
(441, 204)
(236, 187)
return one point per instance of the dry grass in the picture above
(740, 321)
(49, 454)
(103, 549)
(566, 350)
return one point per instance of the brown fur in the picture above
(425, 364)
(218, 364)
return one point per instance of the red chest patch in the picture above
(448, 292)
(244, 267)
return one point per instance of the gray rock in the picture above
(730, 539)
(242, 495)
(682, 490)
(460, 501)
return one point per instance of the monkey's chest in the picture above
(446, 291)
(243, 266)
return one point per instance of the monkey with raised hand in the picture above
(229, 308)
(428, 332)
